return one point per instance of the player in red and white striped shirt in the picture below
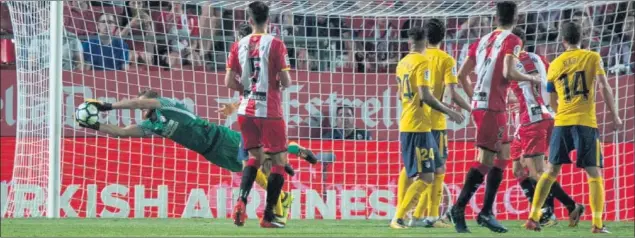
(535, 123)
(261, 63)
(493, 57)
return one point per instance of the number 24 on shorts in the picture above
(424, 155)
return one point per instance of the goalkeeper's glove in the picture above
(93, 126)
(101, 106)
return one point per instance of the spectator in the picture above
(106, 52)
(72, 55)
(474, 28)
(177, 24)
(136, 21)
(621, 47)
(345, 128)
(590, 34)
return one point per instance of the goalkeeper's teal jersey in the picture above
(174, 121)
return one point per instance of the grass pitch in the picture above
(296, 228)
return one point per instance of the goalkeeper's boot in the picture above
(574, 216)
(240, 215)
(289, 170)
(457, 216)
(489, 221)
(304, 153)
(398, 223)
(532, 225)
(600, 230)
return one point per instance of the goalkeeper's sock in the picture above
(436, 193)
(276, 180)
(402, 185)
(261, 179)
(562, 196)
(473, 181)
(529, 186)
(422, 204)
(596, 199)
(542, 192)
(249, 175)
(494, 179)
(415, 189)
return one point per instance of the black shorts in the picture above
(585, 140)
(441, 139)
(418, 152)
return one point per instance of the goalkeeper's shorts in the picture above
(225, 152)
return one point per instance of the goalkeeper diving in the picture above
(170, 119)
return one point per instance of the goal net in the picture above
(342, 104)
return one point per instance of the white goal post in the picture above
(343, 55)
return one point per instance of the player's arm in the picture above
(149, 103)
(423, 86)
(510, 72)
(553, 72)
(450, 79)
(282, 60)
(512, 49)
(128, 131)
(607, 92)
(463, 76)
(233, 70)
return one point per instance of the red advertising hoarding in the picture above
(136, 178)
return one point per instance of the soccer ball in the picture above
(87, 113)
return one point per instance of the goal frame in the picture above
(56, 25)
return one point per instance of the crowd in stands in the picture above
(155, 35)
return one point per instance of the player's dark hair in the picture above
(148, 93)
(416, 33)
(571, 33)
(506, 13)
(520, 33)
(259, 12)
(435, 31)
(244, 30)
(345, 107)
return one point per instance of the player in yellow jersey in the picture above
(571, 80)
(417, 143)
(442, 68)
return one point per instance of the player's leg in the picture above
(251, 138)
(589, 157)
(486, 217)
(275, 144)
(418, 157)
(495, 175)
(486, 141)
(430, 207)
(559, 148)
(402, 185)
(304, 153)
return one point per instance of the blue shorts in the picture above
(441, 138)
(243, 154)
(585, 140)
(418, 151)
